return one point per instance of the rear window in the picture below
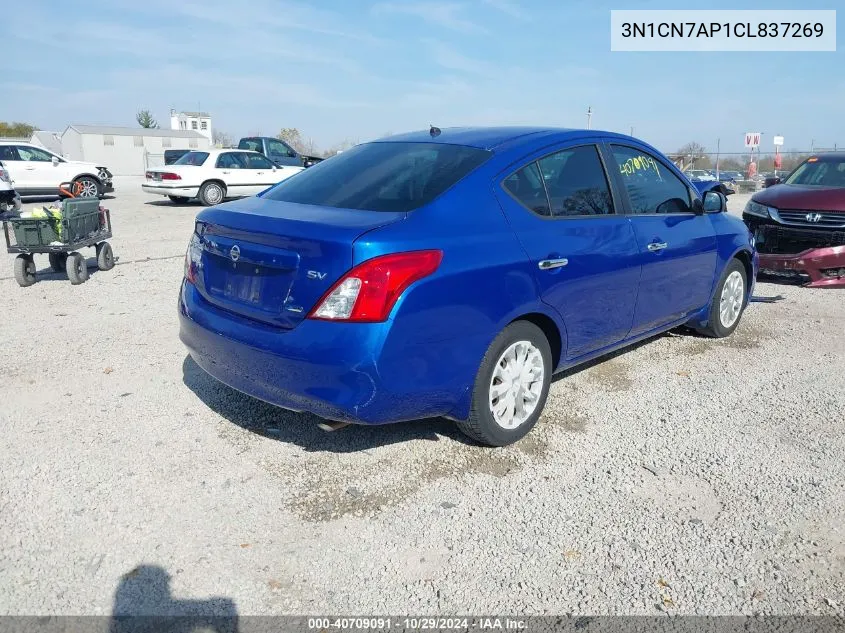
(250, 144)
(381, 176)
(192, 158)
(824, 173)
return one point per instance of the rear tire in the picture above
(178, 199)
(77, 269)
(24, 270)
(511, 386)
(105, 256)
(729, 302)
(58, 262)
(211, 193)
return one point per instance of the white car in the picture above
(9, 198)
(36, 171)
(214, 175)
(700, 175)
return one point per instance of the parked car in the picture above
(799, 226)
(452, 273)
(214, 175)
(277, 151)
(39, 172)
(701, 175)
(9, 198)
(731, 176)
(172, 155)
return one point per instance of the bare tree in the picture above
(292, 137)
(145, 119)
(693, 152)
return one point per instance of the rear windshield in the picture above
(192, 158)
(250, 144)
(825, 173)
(381, 176)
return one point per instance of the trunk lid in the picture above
(271, 261)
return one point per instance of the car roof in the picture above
(828, 156)
(493, 137)
(224, 150)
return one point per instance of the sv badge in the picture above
(314, 274)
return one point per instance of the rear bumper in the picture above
(339, 371)
(169, 190)
(817, 267)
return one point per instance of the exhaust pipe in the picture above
(328, 426)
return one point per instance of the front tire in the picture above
(511, 386)
(105, 256)
(24, 270)
(77, 268)
(728, 302)
(211, 193)
(88, 187)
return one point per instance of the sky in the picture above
(357, 70)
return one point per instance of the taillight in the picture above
(148, 175)
(368, 292)
(167, 175)
(193, 259)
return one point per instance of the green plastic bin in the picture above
(80, 218)
(34, 232)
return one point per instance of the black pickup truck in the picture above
(277, 151)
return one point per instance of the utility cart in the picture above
(81, 222)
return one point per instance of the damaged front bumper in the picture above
(815, 258)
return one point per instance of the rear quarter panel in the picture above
(442, 326)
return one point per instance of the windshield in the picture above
(192, 158)
(820, 172)
(381, 176)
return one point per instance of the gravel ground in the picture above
(684, 475)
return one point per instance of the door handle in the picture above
(655, 247)
(549, 264)
(227, 172)
(30, 168)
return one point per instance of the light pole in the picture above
(589, 116)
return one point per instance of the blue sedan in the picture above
(451, 273)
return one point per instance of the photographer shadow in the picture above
(143, 603)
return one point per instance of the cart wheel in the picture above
(77, 268)
(58, 261)
(105, 257)
(24, 270)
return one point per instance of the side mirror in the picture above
(55, 161)
(715, 202)
(275, 168)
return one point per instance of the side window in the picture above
(651, 187)
(277, 149)
(526, 185)
(576, 182)
(34, 154)
(228, 161)
(256, 161)
(8, 152)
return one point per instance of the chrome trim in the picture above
(654, 247)
(828, 219)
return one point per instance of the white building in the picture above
(51, 141)
(126, 150)
(187, 121)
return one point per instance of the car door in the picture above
(262, 173)
(10, 159)
(677, 245)
(585, 258)
(281, 153)
(232, 170)
(38, 169)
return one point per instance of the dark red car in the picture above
(799, 225)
